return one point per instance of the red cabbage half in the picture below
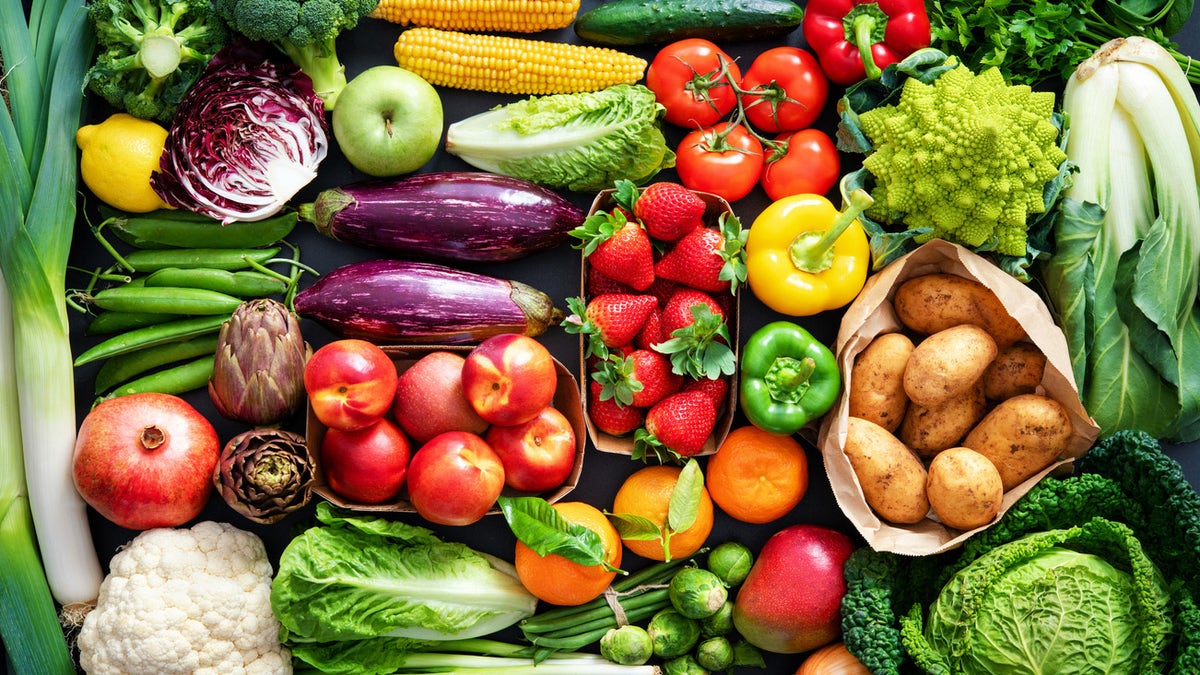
(245, 139)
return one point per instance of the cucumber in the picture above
(646, 22)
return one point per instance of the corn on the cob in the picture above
(510, 65)
(504, 16)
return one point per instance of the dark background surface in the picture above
(557, 273)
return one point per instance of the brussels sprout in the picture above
(731, 562)
(715, 653)
(628, 645)
(720, 623)
(697, 593)
(672, 633)
(683, 665)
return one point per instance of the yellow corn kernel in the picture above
(509, 65)
(504, 16)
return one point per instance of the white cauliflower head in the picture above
(187, 601)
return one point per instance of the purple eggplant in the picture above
(449, 215)
(410, 302)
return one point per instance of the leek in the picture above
(1125, 272)
(46, 57)
(28, 621)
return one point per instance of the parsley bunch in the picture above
(1036, 41)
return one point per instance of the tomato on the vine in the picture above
(809, 165)
(725, 160)
(691, 79)
(792, 87)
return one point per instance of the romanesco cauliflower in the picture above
(186, 601)
(967, 156)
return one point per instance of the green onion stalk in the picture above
(46, 56)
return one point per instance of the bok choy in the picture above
(1124, 276)
(45, 58)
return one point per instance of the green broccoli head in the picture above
(967, 157)
(305, 30)
(149, 53)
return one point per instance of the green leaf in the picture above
(540, 527)
(638, 528)
(685, 498)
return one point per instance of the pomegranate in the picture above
(146, 460)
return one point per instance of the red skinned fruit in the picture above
(430, 400)
(509, 378)
(146, 460)
(350, 383)
(791, 600)
(679, 424)
(454, 479)
(366, 465)
(610, 417)
(537, 455)
(669, 210)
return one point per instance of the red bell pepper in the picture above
(856, 39)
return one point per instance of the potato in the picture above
(928, 431)
(1016, 370)
(876, 389)
(1021, 436)
(891, 476)
(934, 302)
(947, 364)
(964, 488)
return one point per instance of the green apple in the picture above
(388, 121)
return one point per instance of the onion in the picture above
(832, 659)
(246, 137)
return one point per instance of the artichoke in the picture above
(265, 474)
(258, 369)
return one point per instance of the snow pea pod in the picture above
(125, 367)
(165, 300)
(152, 260)
(240, 283)
(175, 380)
(152, 335)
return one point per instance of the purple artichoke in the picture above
(258, 368)
(265, 474)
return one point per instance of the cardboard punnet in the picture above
(872, 314)
(566, 399)
(714, 207)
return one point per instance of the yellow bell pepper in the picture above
(803, 256)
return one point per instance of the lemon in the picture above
(118, 156)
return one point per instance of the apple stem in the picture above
(387, 124)
(153, 437)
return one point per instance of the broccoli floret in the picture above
(305, 30)
(966, 157)
(149, 52)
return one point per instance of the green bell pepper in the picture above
(788, 378)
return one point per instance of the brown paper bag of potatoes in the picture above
(873, 314)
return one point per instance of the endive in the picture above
(45, 58)
(1124, 276)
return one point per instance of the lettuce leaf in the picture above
(357, 578)
(581, 142)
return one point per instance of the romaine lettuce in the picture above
(582, 142)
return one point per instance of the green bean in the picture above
(152, 260)
(165, 300)
(107, 323)
(175, 380)
(140, 338)
(125, 367)
(243, 284)
(179, 228)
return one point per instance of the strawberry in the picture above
(717, 389)
(614, 318)
(640, 379)
(608, 416)
(697, 336)
(662, 289)
(677, 313)
(652, 332)
(678, 425)
(669, 210)
(598, 284)
(618, 248)
(708, 259)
